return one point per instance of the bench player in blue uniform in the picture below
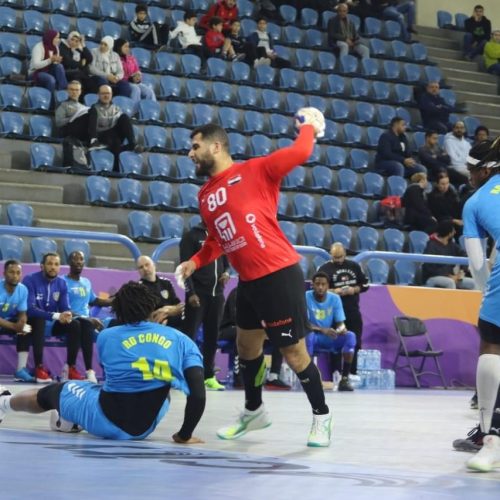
(142, 361)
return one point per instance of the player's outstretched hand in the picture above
(184, 270)
(191, 440)
(311, 116)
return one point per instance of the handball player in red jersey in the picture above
(239, 205)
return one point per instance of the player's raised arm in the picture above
(310, 123)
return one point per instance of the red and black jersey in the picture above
(239, 207)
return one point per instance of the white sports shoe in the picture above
(321, 431)
(60, 425)
(247, 421)
(488, 457)
(3, 392)
(64, 373)
(91, 376)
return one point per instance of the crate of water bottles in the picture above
(371, 375)
(369, 359)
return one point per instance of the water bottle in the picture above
(229, 379)
(388, 380)
(362, 360)
(336, 380)
(377, 358)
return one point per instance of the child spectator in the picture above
(186, 37)
(146, 33)
(215, 41)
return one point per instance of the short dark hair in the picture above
(134, 302)
(45, 256)
(10, 262)
(261, 18)
(478, 7)
(481, 128)
(442, 174)
(142, 7)
(214, 21)
(73, 253)
(189, 14)
(445, 227)
(428, 133)
(320, 274)
(395, 120)
(214, 133)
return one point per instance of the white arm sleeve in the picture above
(477, 261)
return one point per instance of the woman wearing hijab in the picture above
(45, 66)
(132, 73)
(76, 58)
(106, 69)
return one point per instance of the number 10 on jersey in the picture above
(161, 369)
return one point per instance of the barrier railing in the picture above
(414, 257)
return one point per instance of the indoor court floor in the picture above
(386, 445)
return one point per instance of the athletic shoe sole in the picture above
(241, 433)
(466, 445)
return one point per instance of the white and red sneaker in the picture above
(42, 375)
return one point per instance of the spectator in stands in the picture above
(132, 73)
(393, 153)
(45, 67)
(13, 307)
(76, 58)
(444, 203)
(445, 275)
(71, 117)
(457, 147)
(396, 10)
(478, 32)
(106, 69)
(492, 54)
(48, 301)
(109, 127)
(204, 300)
(433, 156)
(81, 296)
(417, 212)
(342, 34)
(326, 318)
(481, 134)
(241, 46)
(347, 280)
(434, 110)
(261, 40)
(186, 37)
(171, 309)
(144, 32)
(227, 10)
(216, 43)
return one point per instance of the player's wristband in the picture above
(56, 316)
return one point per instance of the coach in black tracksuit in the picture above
(204, 296)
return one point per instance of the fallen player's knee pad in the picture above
(60, 425)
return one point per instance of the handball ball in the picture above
(314, 117)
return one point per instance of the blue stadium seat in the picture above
(392, 30)
(42, 156)
(10, 44)
(175, 15)
(326, 61)
(314, 39)
(405, 272)
(279, 125)
(229, 118)
(419, 52)
(194, 221)
(203, 114)
(367, 239)
(444, 19)
(295, 178)
(149, 111)
(314, 234)
(348, 65)
(60, 23)
(294, 102)
(377, 48)
(419, 139)
(292, 36)
(181, 138)
(304, 207)
(38, 5)
(335, 156)
(357, 210)
(378, 271)
(126, 104)
(171, 226)
(330, 208)
(12, 124)
(216, 68)
(190, 64)
(411, 73)
(405, 115)
(131, 164)
(418, 240)
(40, 246)
(381, 91)
(373, 27)
(385, 114)
(392, 70)
(460, 19)
(128, 11)
(325, 18)
(102, 160)
(289, 79)
(237, 145)
(222, 93)
(319, 102)
(394, 240)
(11, 247)
(166, 62)
(360, 88)
(140, 225)
(60, 96)
(404, 93)
(159, 165)
(312, 81)
(347, 181)
(245, 8)
(396, 185)
(112, 29)
(341, 233)
(8, 19)
(11, 96)
(265, 75)
(321, 178)
(253, 121)
(260, 145)
(20, 214)
(373, 184)
(196, 90)
(359, 159)
(290, 230)
(308, 17)
(40, 127)
(352, 134)
(10, 66)
(89, 99)
(33, 21)
(373, 135)
(335, 85)
(288, 14)
(282, 204)
(155, 138)
(70, 246)
(433, 74)
(160, 195)
(471, 123)
(188, 197)
(304, 59)
(176, 113)
(248, 26)
(87, 27)
(143, 57)
(240, 72)
(364, 113)
(130, 193)
(247, 97)
(39, 98)
(340, 110)
(186, 169)
(449, 97)
(108, 9)
(98, 190)
(84, 8)
(370, 67)
(331, 131)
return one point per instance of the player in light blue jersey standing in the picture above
(481, 218)
(142, 361)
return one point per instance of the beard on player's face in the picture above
(205, 166)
